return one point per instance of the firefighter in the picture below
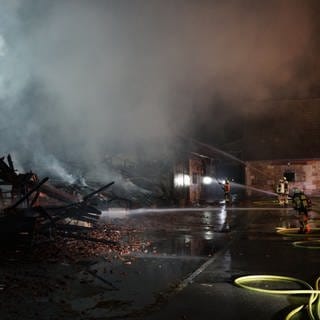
(286, 191)
(302, 204)
(280, 191)
(227, 189)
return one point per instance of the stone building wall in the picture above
(263, 176)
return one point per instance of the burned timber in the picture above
(27, 215)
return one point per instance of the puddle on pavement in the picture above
(181, 233)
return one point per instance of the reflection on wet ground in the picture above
(203, 231)
(181, 232)
(211, 244)
(203, 248)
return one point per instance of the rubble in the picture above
(64, 254)
(48, 277)
(55, 232)
(75, 265)
(23, 216)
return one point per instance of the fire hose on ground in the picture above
(313, 305)
(263, 283)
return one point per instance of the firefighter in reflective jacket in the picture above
(280, 191)
(283, 191)
(227, 189)
(302, 204)
(286, 191)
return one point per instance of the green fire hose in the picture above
(264, 283)
(313, 305)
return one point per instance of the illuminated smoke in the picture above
(80, 79)
(56, 169)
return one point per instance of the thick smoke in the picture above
(82, 79)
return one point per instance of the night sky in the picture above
(81, 79)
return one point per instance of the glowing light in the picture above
(222, 215)
(182, 180)
(208, 235)
(187, 239)
(207, 180)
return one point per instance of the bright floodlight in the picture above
(182, 180)
(207, 180)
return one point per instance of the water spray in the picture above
(271, 193)
(226, 154)
(208, 180)
(126, 212)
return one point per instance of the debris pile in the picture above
(26, 214)
(108, 241)
(51, 277)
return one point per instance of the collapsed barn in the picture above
(32, 209)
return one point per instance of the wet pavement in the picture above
(184, 267)
(208, 249)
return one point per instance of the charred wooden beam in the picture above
(29, 193)
(90, 195)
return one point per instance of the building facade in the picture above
(281, 138)
(262, 176)
(188, 181)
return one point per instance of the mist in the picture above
(80, 80)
